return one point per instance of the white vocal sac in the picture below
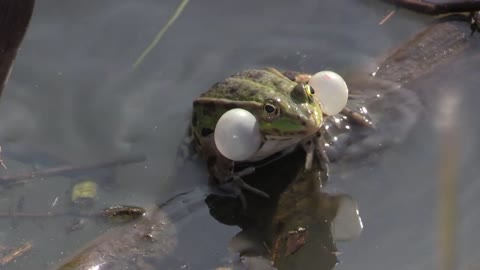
(331, 90)
(237, 135)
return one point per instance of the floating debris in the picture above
(387, 17)
(123, 213)
(295, 240)
(12, 256)
(75, 225)
(84, 193)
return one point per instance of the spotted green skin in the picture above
(299, 115)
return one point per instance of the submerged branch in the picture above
(12, 256)
(70, 168)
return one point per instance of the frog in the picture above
(289, 115)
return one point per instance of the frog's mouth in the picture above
(298, 133)
(274, 144)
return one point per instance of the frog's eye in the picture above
(271, 109)
(309, 90)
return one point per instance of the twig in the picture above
(1, 160)
(386, 18)
(15, 254)
(64, 169)
(160, 34)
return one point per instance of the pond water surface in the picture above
(74, 97)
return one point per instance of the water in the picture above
(74, 96)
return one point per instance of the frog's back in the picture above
(252, 85)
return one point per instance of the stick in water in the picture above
(64, 169)
(12, 256)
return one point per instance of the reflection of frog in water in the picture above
(289, 224)
(297, 228)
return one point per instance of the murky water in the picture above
(74, 97)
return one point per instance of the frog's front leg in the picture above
(225, 178)
(315, 152)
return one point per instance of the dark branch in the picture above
(14, 19)
(432, 8)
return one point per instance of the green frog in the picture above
(288, 112)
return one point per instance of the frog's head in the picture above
(290, 113)
(284, 109)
